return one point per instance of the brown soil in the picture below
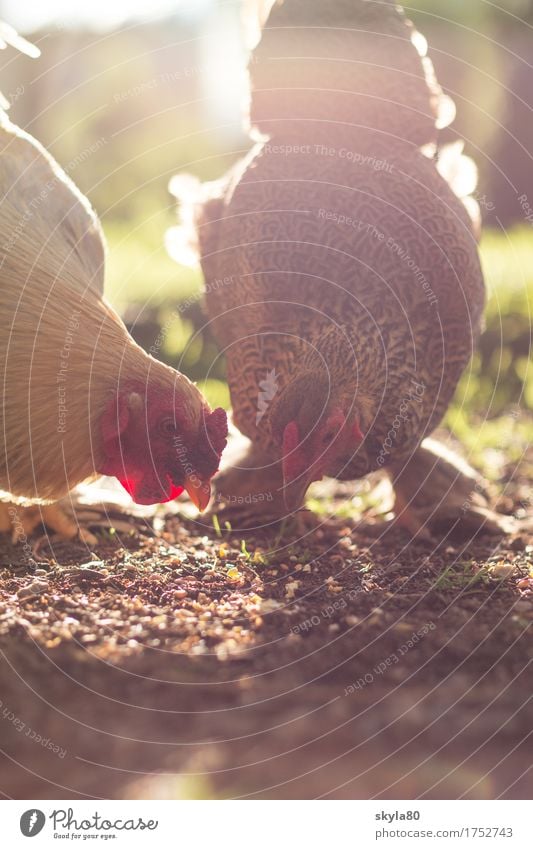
(349, 664)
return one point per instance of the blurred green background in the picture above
(127, 94)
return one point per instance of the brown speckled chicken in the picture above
(356, 291)
(79, 396)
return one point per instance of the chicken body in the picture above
(356, 292)
(349, 276)
(79, 396)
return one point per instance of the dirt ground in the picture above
(174, 660)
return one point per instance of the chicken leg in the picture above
(21, 521)
(438, 491)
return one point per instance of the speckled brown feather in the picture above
(350, 254)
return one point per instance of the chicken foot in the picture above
(21, 521)
(436, 490)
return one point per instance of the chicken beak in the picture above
(199, 491)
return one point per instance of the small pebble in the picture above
(502, 571)
(36, 588)
(352, 620)
(290, 588)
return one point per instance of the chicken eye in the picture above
(167, 427)
(329, 437)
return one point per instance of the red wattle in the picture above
(129, 485)
(133, 487)
(174, 492)
(291, 438)
(294, 462)
(356, 433)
